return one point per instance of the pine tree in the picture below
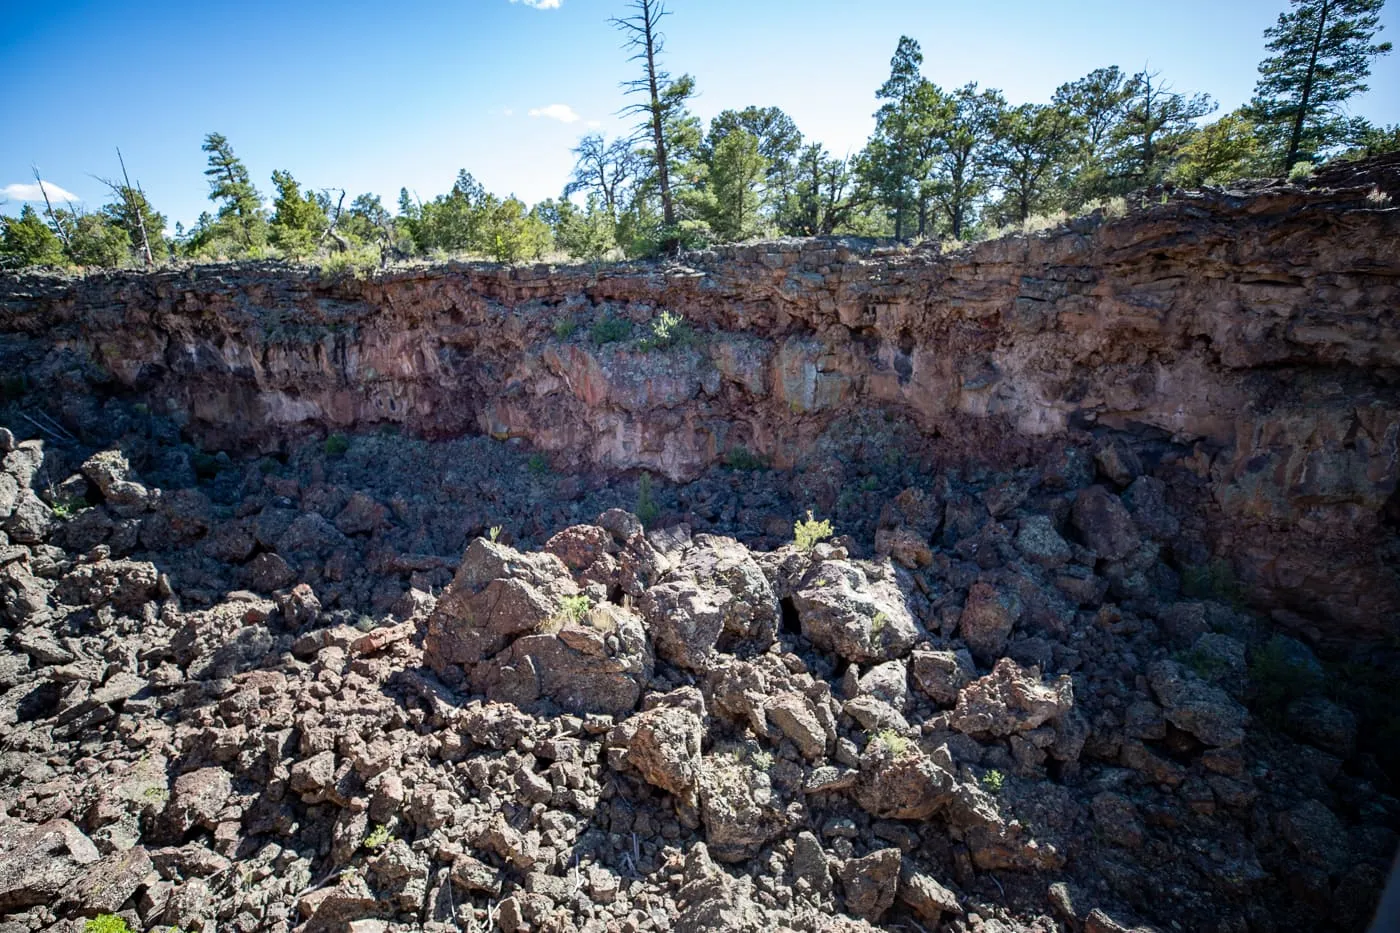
(643, 36)
(229, 182)
(736, 171)
(1029, 149)
(897, 159)
(298, 220)
(27, 241)
(1156, 122)
(963, 173)
(1322, 54)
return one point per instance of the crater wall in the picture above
(1251, 338)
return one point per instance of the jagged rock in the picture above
(1116, 820)
(1207, 712)
(900, 782)
(30, 521)
(888, 682)
(124, 584)
(1010, 700)
(811, 864)
(109, 883)
(871, 883)
(197, 797)
(685, 623)
(845, 611)
(1317, 835)
(1105, 525)
(1320, 722)
(796, 717)
(361, 515)
(9, 495)
(710, 899)
(926, 897)
(269, 572)
(738, 807)
(988, 617)
(1041, 544)
(663, 744)
(906, 547)
(940, 675)
(38, 863)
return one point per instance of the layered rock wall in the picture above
(1253, 337)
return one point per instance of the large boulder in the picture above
(856, 615)
(871, 883)
(899, 782)
(515, 627)
(1011, 699)
(1194, 706)
(1104, 523)
(124, 584)
(739, 808)
(38, 863)
(987, 619)
(663, 745)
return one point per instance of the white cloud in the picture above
(508, 112)
(595, 123)
(561, 112)
(541, 4)
(31, 192)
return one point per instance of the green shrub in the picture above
(576, 607)
(1301, 171)
(1278, 675)
(1214, 581)
(994, 781)
(609, 329)
(336, 445)
(806, 534)
(741, 458)
(667, 330)
(564, 328)
(106, 923)
(357, 262)
(898, 745)
(538, 465)
(67, 508)
(647, 510)
(378, 838)
(494, 533)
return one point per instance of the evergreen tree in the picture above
(130, 212)
(1029, 149)
(230, 183)
(897, 159)
(605, 170)
(27, 241)
(298, 220)
(962, 172)
(588, 234)
(736, 173)
(1220, 152)
(1321, 56)
(95, 240)
(1156, 122)
(1096, 103)
(779, 142)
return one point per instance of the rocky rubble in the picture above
(1000, 714)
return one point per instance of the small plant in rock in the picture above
(869, 484)
(576, 607)
(336, 445)
(647, 509)
(538, 465)
(106, 923)
(877, 624)
(762, 760)
(494, 533)
(378, 838)
(610, 330)
(807, 534)
(67, 508)
(564, 328)
(994, 781)
(1214, 581)
(668, 330)
(1301, 171)
(898, 745)
(741, 458)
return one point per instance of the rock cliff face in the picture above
(1247, 343)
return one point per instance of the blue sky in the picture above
(377, 96)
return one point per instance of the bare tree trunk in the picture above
(53, 218)
(663, 174)
(135, 208)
